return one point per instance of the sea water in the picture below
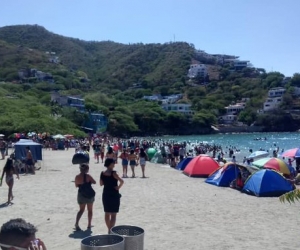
(243, 142)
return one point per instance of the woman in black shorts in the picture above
(110, 196)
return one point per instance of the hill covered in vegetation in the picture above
(113, 78)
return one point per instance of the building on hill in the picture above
(164, 99)
(157, 97)
(232, 112)
(236, 64)
(197, 70)
(274, 99)
(182, 108)
(96, 122)
(69, 101)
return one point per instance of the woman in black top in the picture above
(83, 201)
(9, 172)
(111, 196)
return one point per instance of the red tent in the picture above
(201, 166)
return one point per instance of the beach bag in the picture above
(80, 158)
(86, 189)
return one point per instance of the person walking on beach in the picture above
(9, 172)
(97, 150)
(132, 157)
(143, 157)
(124, 157)
(84, 198)
(110, 154)
(2, 148)
(110, 196)
(29, 161)
(102, 150)
(20, 235)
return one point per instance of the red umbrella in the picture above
(294, 152)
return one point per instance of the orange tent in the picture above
(201, 166)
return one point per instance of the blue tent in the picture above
(224, 176)
(35, 148)
(267, 183)
(181, 165)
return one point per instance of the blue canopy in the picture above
(35, 148)
(181, 165)
(267, 183)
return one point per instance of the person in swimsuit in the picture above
(143, 157)
(9, 172)
(102, 149)
(83, 201)
(124, 157)
(110, 196)
(132, 161)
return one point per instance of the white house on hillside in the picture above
(274, 98)
(232, 112)
(179, 107)
(197, 69)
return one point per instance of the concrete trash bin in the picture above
(133, 236)
(100, 242)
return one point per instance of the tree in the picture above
(291, 197)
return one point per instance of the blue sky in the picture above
(266, 32)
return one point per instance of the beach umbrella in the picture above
(272, 163)
(68, 136)
(58, 136)
(151, 152)
(258, 154)
(294, 152)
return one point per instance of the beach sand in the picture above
(176, 212)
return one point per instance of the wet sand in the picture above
(177, 212)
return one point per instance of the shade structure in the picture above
(267, 183)
(201, 166)
(182, 165)
(294, 152)
(272, 163)
(258, 154)
(35, 148)
(151, 152)
(224, 175)
(59, 136)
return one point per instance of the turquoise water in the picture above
(245, 142)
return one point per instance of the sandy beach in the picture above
(176, 212)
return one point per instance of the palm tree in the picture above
(291, 197)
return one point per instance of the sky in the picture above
(265, 32)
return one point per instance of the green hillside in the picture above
(113, 77)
